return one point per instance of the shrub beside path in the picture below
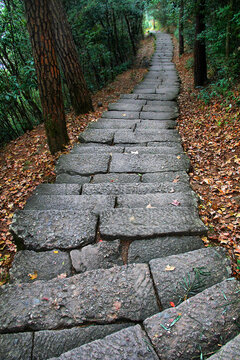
(110, 263)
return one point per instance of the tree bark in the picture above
(68, 58)
(48, 74)
(200, 62)
(181, 38)
(228, 29)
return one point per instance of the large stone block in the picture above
(163, 149)
(123, 163)
(96, 136)
(198, 325)
(142, 251)
(230, 351)
(96, 149)
(115, 178)
(114, 124)
(57, 189)
(156, 124)
(82, 164)
(135, 224)
(131, 343)
(145, 136)
(49, 343)
(125, 107)
(158, 115)
(72, 179)
(98, 296)
(46, 265)
(178, 277)
(121, 115)
(45, 230)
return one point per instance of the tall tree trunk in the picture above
(48, 74)
(180, 34)
(68, 57)
(200, 62)
(228, 29)
(130, 35)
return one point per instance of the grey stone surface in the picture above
(230, 351)
(113, 124)
(138, 90)
(96, 149)
(45, 230)
(132, 101)
(145, 136)
(102, 255)
(164, 149)
(141, 223)
(192, 273)
(158, 97)
(160, 108)
(146, 124)
(198, 324)
(57, 189)
(82, 164)
(142, 251)
(131, 343)
(49, 343)
(98, 296)
(115, 178)
(158, 115)
(134, 188)
(72, 179)
(96, 136)
(46, 265)
(162, 103)
(147, 163)
(128, 96)
(121, 115)
(158, 200)
(16, 346)
(85, 203)
(125, 107)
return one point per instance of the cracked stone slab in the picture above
(121, 115)
(230, 351)
(96, 136)
(146, 124)
(125, 107)
(177, 150)
(53, 229)
(132, 101)
(46, 265)
(142, 251)
(169, 176)
(163, 96)
(198, 324)
(124, 292)
(72, 179)
(158, 200)
(160, 108)
(49, 343)
(83, 164)
(115, 178)
(126, 344)
(135, 188)
(104, 149)
(198, 269)
(148, 163)
(132, 224)
(56, 189)
(114, 124)
(158, 115)
(16, 346)
(102, 255)
(70, 202)
(145, 136)
(145, 91)
(128, 96)
(162, 103)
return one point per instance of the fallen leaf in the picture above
(34, 275)
(169, 268)
(176, 203)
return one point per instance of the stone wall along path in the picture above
(106, 251)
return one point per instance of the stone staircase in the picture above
(110, 263)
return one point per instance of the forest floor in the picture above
(210, 137)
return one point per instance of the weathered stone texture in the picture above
(230, 351)
(82, 164)
(16, 346)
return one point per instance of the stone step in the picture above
(56, 189)
(197, 326)
(162, 149)
(111, 124)
(121, 115)
(83, 164)
(129, 343)
(137, 163)
(96, 149)
(138, 189)
(133, 224)
(124, 107)
(29, 266)
(146, 135)
(162, 177)
(179, 277)
(122, 293)
(230, 351)
(72, 179)
(153, 115)
(160, 108)
(97, 135)
(156, 124)
(116, 178)
(53, 229)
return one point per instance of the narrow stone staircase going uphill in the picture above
(111, 264)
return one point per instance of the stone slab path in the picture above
(110, 263)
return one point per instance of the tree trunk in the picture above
(228, 29)
(200, 62)
(48, 74)
(181, 38)
(68, 58)
(130, 35)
